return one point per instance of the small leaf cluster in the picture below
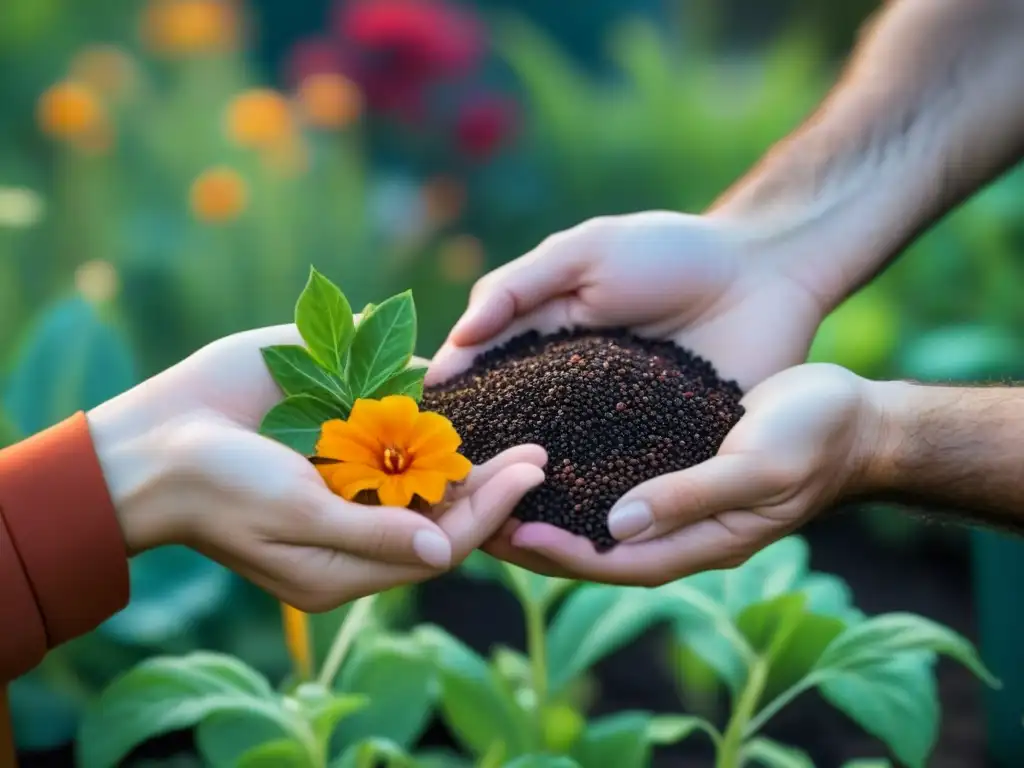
(342, 361)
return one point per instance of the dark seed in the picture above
(568, 392)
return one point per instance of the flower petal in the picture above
(453, 466)
(347, 479)
(346, 441)
(429, 485)
(389, 420)
(433, 433)
(394, 491)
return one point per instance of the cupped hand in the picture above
(806, 441)
(701, 281)
(185, 465)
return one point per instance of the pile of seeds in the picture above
(611, 409)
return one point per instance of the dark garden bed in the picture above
(931, 580)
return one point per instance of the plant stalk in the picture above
(356, 619)
(776, 704)
(730, 751)
(536, 646)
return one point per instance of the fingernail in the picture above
(630, 519)
(432, 548)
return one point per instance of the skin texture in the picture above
(184, 465)
(927, 111)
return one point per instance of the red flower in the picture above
(484, 124)
(403, 46)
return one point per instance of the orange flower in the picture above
(190, 26)
(330, 100)
(218, 195)
(296, 638)
(259, 118)
(388, 446)
(70, 111)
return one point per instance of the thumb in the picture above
(721, 484)
(553, 268)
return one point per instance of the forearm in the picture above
(958, 450)
(929, 109)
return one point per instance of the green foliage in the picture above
(344, 361)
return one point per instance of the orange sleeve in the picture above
(63, 565)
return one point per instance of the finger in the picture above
(660, 505)
(500, 546)
(387, 534)
(475, 518)
(452, 359)
(553, 268)
(481, 475)
(712, 544)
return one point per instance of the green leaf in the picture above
(324, 709)
(768, 626)
(297, 422)
(384, 343)
(374, 753)
(827, 595)
(542, 761)
(324, 319)
(616, 741)
(399, 678)
(895, 701)
(171, 587)
(881, 637)
(476, 706)
(170, 693)
(562, 725)
(771, 754)
(72, 360)
(297, 373)
(283, 753)
(223, 737)
(868, 762)
(664, 730)
(597, 620)
(794, 660)
(408, 382)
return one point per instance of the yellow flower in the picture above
(259, 118)
(218, 195)
(296, 638)
(390, 447)
(70, 111)
(183, 27)
(330, 100)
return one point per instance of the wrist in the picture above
(891, 405)
(135, 469)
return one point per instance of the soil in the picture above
(933, 580)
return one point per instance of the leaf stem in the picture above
(776, 704)
(536, 646)
(356, 619)
(731, 746)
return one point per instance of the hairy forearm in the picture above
(929, 109)
(957, 450)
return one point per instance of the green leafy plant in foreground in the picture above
(770, 630)
(343, 360)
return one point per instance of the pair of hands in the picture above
(185, 465)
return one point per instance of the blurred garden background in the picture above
(170, 169)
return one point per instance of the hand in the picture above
(705, 282)
(805, 442)
(185, 465)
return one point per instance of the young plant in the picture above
(343, 361)
(363, 706)
(770, 630)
